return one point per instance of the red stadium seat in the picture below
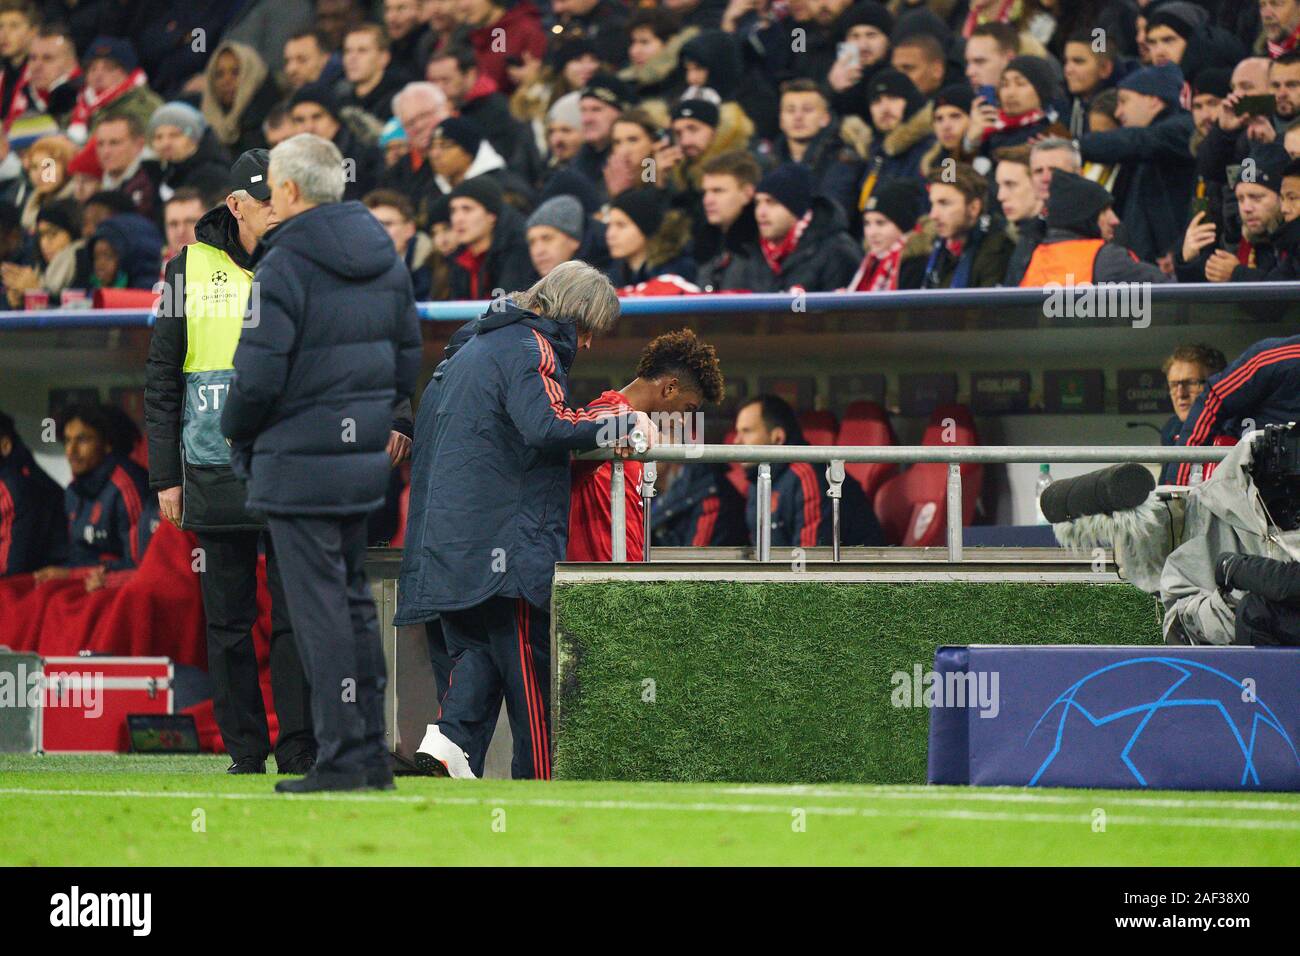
(867, 423)
(736, 471)
(819, 427)
(911, 507)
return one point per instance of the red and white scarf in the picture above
(879, 273)
(89, 102)
(19, 102)
(774, 252)
(1006, 122)
(1005, 13)
(1275, 50)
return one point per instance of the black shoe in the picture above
(380, 778)
(247, 765)
(298, 766)
(316, 782)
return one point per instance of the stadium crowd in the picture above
(690, 145)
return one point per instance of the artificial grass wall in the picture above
(787, 683)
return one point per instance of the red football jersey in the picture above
(590, 535)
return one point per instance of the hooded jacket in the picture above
(207, 170)
(335, 344)
(138, 245)
(518, 30)
(732, 261)
(33, 527)
(488, 162)
(489, 506)
(661, 78)
(825, 258)
(1224, 513)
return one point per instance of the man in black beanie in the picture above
(901, 121)
(896, 251)
(1027, 93)
(459, 151)
(603, 98)
(491, 256)
(862, 32)
(314, 109)
(1077, 249)
(803, 237)
(1259, 203)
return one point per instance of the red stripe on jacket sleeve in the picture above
(7, 514)
(812, 506)
(131, 498)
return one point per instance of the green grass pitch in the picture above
(177, 811)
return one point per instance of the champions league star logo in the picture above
(219, 277)
(1199, 701)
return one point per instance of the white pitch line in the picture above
(1084, 819)
(903, 792)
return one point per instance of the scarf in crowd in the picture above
(1275, 50)
(879, 274)
(1007, 11)
(774, 252)
(1006, 122)
(40, 99)
(89, 102)
(18, 104)
(225, 123)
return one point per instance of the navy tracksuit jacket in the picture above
(700, 508)
(109, 515)
(802, 513)
(33, 527)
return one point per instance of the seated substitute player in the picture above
(676, 376)
(33, 530)
(701, 509)
(801, 509)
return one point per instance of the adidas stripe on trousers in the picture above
(500, 647)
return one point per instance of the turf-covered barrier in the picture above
(788, 682)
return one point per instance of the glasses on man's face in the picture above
(1188, 384)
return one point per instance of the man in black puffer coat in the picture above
(336, 340)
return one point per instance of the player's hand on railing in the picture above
(643, 436)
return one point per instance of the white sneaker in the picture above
(438, 756)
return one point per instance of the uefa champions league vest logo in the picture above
(1237, 720)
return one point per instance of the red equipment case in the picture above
(87, 699)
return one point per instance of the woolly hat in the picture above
(901, 201)
(560, 212)
(789, 185)
(484, 190)
(1041, 76)
(1163, 82)
(181, 115)
(464, 133)
(645, 206)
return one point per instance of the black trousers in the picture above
(441, 661)
(322, 563)
(229, 586)
(502, 646)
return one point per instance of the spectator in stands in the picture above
(865, 26)
(491, 257)
(277, 127)
(369, 77)
(189, 153)
(420, 107)
(407, 35)
(603, 22)
(33, 527)
(1280, 20)
(18, 22)
(555, 232)
(1186, 370)
(98, 208)
(238, 94)
(727, 245)
(564, 129)
(315, 110)
(181, 215)
(1088, 71)
(115, 87)
(46, 163)
(334, 18)
(1181, 33)
(901, 120)
(1155, 182)
(1209, 89)
(602, 102)
(444, 247)
(1259, 204)
(810, 135)
(105, 502)
(54, 78)
(395, 214)
(803, 237)
(120, 148)
(700, 131)
(920, 57)
(1051, 154)
(498, 31)
(990, 48)
(58, 237)
(631, 146)
(1026, 91)
(1021, 207)
(307, 59)
(267, 25)
(1079, 247)
(187, 380)
(951, 119)
(970, 250)
(646, 238)
(1261, 386)
(801, 510)
(896, 250)
(125, 253)
(460, 153)
(476, 97)
(677, 375)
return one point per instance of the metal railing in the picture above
(836, 456)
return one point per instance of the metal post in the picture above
(763, 520)
(617, 512)
(835, 479)
(648, 475)
(954, 511)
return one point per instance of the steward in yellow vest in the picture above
(1073, 252)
